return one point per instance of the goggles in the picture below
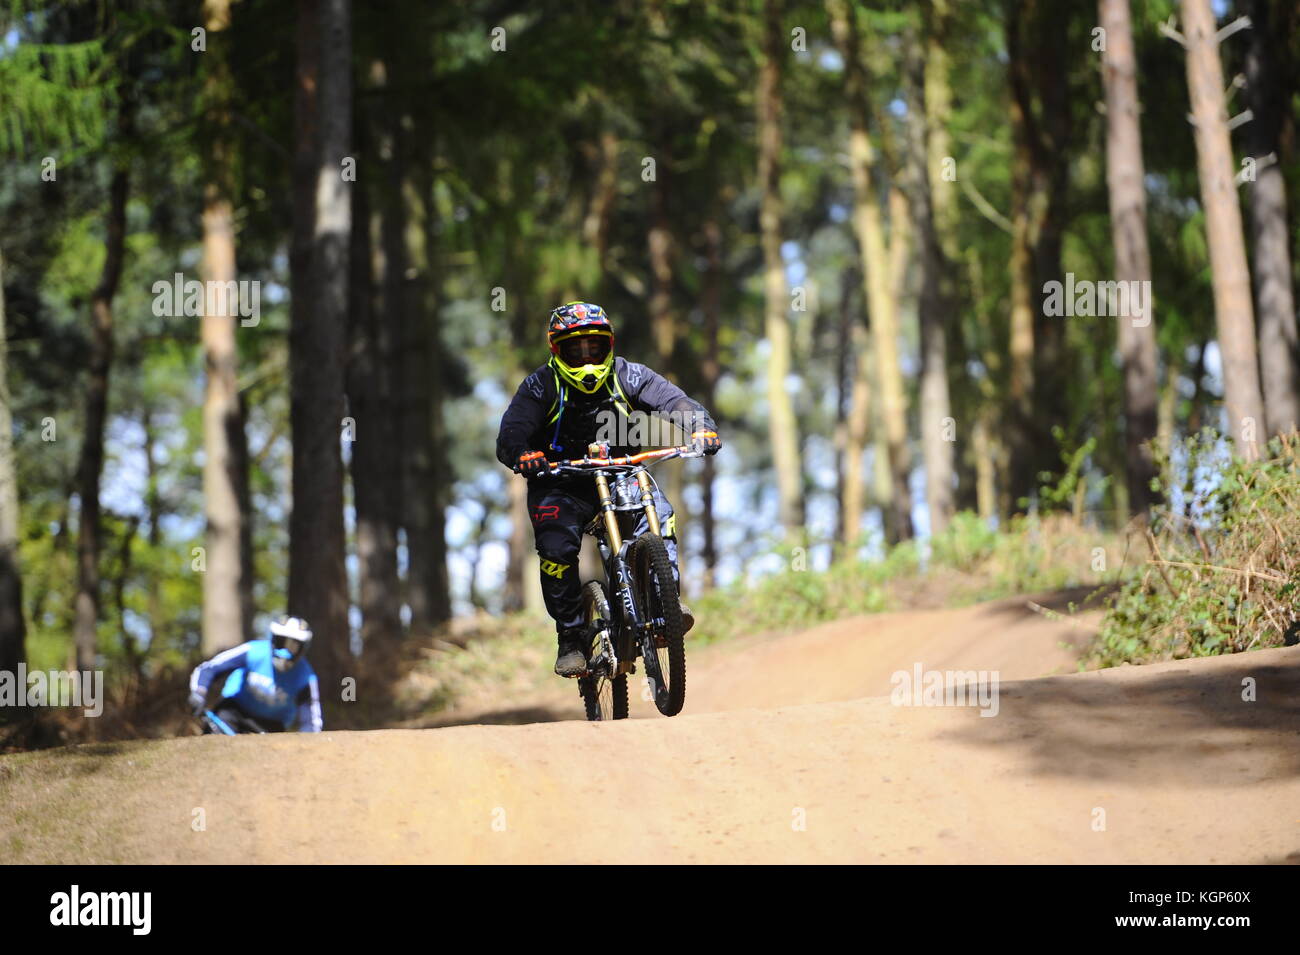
(292, 646)
(591, 348)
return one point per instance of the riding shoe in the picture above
(570, 661)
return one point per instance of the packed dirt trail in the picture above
(790, 750)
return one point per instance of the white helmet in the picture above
(290, 637)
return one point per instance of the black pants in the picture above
(559, 511)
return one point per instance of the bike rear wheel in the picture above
(656, 594)
(603, 694)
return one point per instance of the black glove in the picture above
(706, 441)
(533, 463)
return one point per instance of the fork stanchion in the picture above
(607, 507)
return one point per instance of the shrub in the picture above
(1223, 558)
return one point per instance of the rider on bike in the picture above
(558, 411)
(270, 682)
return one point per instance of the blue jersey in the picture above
(261, 690)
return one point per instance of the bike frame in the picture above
(218, 725)
(633, 634)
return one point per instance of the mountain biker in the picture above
(558, 411)
(269, 683)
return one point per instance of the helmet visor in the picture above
(294, 647)
(589, 349)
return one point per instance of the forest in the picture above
(271, 271)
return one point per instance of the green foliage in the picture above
(791, 600)
(965, 544)
(969, 562)
(51, 96)
(1070, 488)
(1223, 563)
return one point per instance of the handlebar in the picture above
(589, 464)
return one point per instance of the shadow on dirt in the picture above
(1292, 859)
(1071, 599)
(1187, 725)
(505, 717)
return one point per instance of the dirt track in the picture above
(790, 750)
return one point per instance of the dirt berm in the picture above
(790, 750)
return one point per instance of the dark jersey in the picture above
(548, 416)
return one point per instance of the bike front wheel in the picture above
(604, 695)
(663, 644)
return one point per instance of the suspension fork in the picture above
(648, 501)
(617, 569)
(608, 513)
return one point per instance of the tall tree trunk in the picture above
(893, 394)
(871, 245)
(429, 475)
(153, 503)
(134, 660)
(480, 538)
(371, 396)
(659, 242)
(373, 451)
(931, 307)
(318, 588)
(844, 380)
(241, 462)
(522, 570)
(595, 225)
(986, 456)
(1020, 371)
(13, 629)
(92, 448)
(1194, 404)
(663, 319)
(1233, 311)
(938, 103)
(956, 281)
(418, 471)
(712, 369)
(62, 564)
(1167, 404)
(782, 425)
(390, 262)
(1037, 54)
(223, 619)
(856, 436)
(880, 354)
(1126, 176)
(1279, 358)
(1048, 60)
(408, 331)
(514, 595)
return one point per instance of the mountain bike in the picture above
(644, 618)
(214, 725)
